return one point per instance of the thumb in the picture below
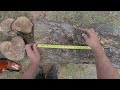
(28, 48)
(85, 37)
(35, 48)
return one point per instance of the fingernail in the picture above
(92, 29)
(35, 44)
(83, 34)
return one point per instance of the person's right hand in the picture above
(33, 53)
(91, 38)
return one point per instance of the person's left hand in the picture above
(33, 53)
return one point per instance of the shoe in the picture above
(40, 74)
(52, 74)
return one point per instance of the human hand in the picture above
(91, 38)
(33, 53)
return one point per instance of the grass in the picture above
(86, 18)
(83, 19)
(12, 14)
(76, 71)
(4, 37)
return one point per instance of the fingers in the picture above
(35, 48)
(32, 48)
(29, 49)
(89, 32)
(92, 30)
(85, 37)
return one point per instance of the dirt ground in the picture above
(83, 19)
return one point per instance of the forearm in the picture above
(31, 71)
(105, 69)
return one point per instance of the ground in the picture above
(84, 19)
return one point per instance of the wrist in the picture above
(35, 62)
(98, 49)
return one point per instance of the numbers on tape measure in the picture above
(64, 46)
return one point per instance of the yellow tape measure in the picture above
(64, 46)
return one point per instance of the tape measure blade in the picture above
(62, 46)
